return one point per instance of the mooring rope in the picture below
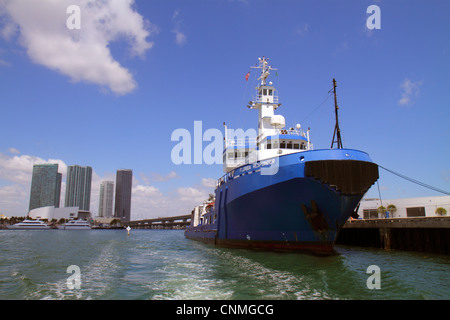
(415, 181)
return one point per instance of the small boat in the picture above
(75, 225)
(30, 225)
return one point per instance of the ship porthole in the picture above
(302, 158)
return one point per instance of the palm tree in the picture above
(391, 209)
(441, 211)
(382, 210)
(115, 222)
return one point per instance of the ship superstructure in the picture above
(272, 138)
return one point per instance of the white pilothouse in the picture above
(272, 139)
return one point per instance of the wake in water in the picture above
(97, 277)
(163, 265)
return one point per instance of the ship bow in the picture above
(348, 177)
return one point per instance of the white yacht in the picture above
(75, 225)
(30, 225)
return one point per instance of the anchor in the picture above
(315, 217)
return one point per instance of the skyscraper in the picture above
(105, 207)
(78, 187)
(45, 186)
(124, 180)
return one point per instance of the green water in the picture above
(163, 265)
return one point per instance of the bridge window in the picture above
(289, 145)
(296, 146)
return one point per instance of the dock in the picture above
(176, 222)
(423, 234)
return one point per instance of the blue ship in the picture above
(278, 192)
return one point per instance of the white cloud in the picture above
(13, 150)
(410, 90)
(154, 176)
(149, 202)
(84, 54)
(180, 37)
(14, 200)
(303, 30)
(209, 182)
(18, 169)
(3, 63)
(192, 195)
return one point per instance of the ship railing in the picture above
(291, 131)
(244, 142)
(261, 99)
(225, 178)
(234, 164)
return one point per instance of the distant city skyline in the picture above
(45, 186)
(124, 180)
(46, 190)
(78, 187)
(105, 208)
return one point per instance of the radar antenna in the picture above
(265, 69)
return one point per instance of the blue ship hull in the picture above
(301, 207)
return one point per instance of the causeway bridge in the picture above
(176, 222)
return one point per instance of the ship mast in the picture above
(265, 69)
(266, 101)
(337, 131)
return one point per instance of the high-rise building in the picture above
(45, 186)
(124, 180)
(105, 206)
(78, 187)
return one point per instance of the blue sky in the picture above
(110, 94)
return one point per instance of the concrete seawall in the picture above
(425, 234)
